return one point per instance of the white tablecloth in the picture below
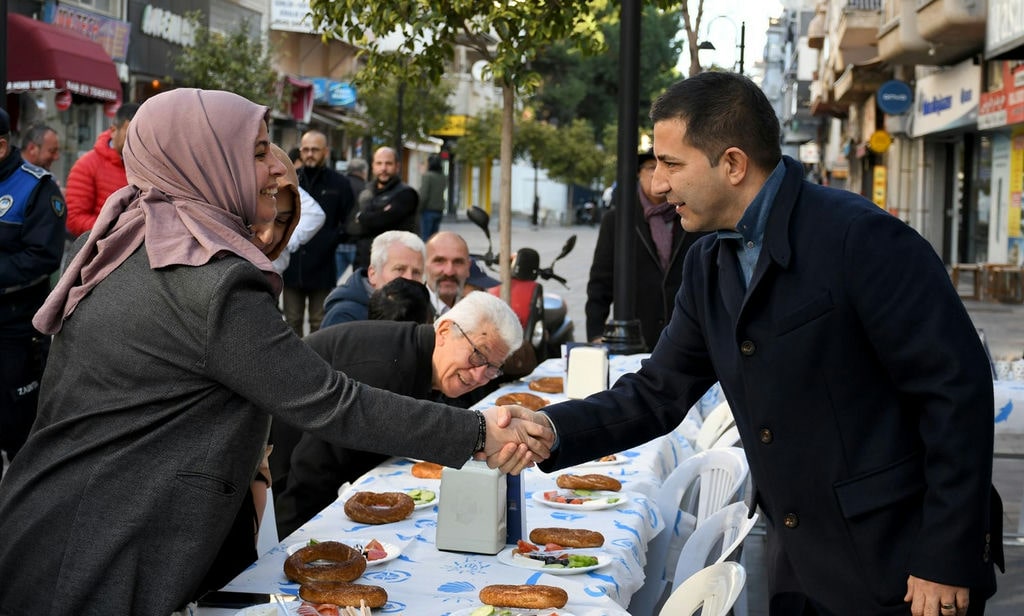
(427, 581)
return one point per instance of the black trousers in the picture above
(22, 361)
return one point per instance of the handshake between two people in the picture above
(517, 438)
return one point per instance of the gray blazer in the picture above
(153, 414)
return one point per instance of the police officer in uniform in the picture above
(32, 211)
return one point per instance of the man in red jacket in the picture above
(97, 174)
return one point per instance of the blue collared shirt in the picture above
(748, 238)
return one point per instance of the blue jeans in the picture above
(344, 255)
(430, 222)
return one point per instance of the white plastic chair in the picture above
(729, 438)
(715, 424)
(704, 483)
(712, 590)
(725, 530)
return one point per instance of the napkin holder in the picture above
(586, 370)
(472, 515)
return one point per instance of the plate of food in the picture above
(556, 562)
(268, 609)
(590, 500)
(376, 552)
(422, 497)
(612, 460)
(504, 599)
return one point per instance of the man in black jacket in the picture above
(389, 205)
(659, 247)
(311, 274)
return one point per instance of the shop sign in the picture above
(895, 97)
(166, 25)
(291, 16)
(879, 176)
(1003, 105)
(947, 99)
(333, 93)
(1004, 26)
(111, 34)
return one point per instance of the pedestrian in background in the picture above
(40, 146)
(432, 186)
(32, 214)
(857, 380)
(98, 173)
(169, 358)
(659, 245)
(345, 253)
(312, 273)
(389, 204)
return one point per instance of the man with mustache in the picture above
(447, 269)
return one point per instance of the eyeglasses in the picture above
(477, 359)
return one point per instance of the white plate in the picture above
(507, 557)
(393, 550)
(619, 459)
(437, 497)
(600, 500)
(515, 611)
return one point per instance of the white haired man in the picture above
(465, 349)
(394, 254)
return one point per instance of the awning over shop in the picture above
(60, 60)
(301, 105)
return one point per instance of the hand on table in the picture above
(928, 598)
(514, 440)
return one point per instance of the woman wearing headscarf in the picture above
(169, 357)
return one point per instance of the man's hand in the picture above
(514, 439)
(933, 599)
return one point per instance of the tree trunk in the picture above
(505, 198)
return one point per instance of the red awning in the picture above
(41, 56)
(301, 106)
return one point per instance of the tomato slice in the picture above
(525, 547)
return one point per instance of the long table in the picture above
(425, 580)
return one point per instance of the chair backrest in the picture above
(713, 590)
(729, 438)
(722, 472)
(718, 421)
(725, 530)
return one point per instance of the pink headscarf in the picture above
(189, 157)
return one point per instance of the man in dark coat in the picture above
(390, 204)
(420, 361)
(311, 273)
(659, 247)
(859, 385)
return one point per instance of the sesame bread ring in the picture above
(427, 470)
(344, 563)
(567, 537)
(343, 594)
(522, 398)
(588, 482)
(379, 507)
(532, 596)
(548, 384)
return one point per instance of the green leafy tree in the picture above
(580, 86)
(482, 140)
(573, 155)
(236, 61)
(379, 111)
(508, 35)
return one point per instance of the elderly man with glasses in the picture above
(463, 350)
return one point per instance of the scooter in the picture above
(544, 316)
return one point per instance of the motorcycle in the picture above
(544, 316)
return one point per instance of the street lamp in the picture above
(708, 45)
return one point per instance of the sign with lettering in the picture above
(1004, 26)
(1003, 104)
(895, 97)
(947, 99)
(111, 34)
